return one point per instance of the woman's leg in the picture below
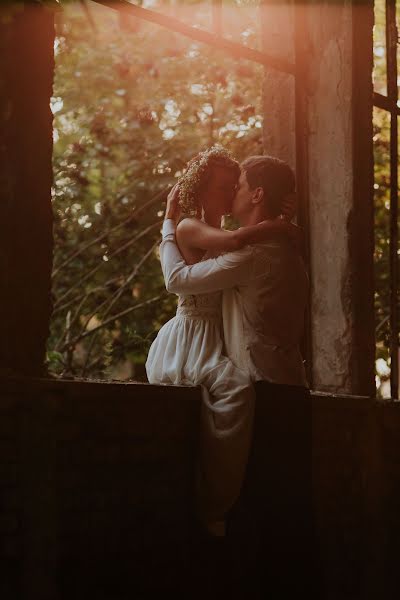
(226, 432)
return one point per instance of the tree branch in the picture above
(115, 298)
(73, 320)
(112, 319)
(99, 288)
(97, 267)
(136, 213)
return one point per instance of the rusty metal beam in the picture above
(211, 39)
(381, 101)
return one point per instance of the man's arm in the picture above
(226, 271)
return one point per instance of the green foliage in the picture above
(132, 104)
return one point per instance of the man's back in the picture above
(264, 317)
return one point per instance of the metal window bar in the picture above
(173, 24)
(217, 16)
(391, 45)
(240, 51)
(389, 103)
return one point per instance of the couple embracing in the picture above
(241, 301)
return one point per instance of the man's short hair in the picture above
(274, 176)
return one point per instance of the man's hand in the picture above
(173, 210)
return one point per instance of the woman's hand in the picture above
(279, 227)
(173, 210)
(296, 236)
(289, 207)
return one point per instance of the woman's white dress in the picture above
(188, 350)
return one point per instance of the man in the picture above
(265, 296)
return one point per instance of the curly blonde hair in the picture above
(197, 174)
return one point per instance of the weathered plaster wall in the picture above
(329, 91)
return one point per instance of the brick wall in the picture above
(96, 491)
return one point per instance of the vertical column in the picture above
(26, 77)
(339, 90)
(330, 184)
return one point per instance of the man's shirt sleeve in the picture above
(223, 272)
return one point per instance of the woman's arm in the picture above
(194, 234)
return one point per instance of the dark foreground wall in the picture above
(96, 491)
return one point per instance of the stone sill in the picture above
(10, 382)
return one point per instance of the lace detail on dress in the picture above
(201, 306)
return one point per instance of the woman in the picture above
(188, 349)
